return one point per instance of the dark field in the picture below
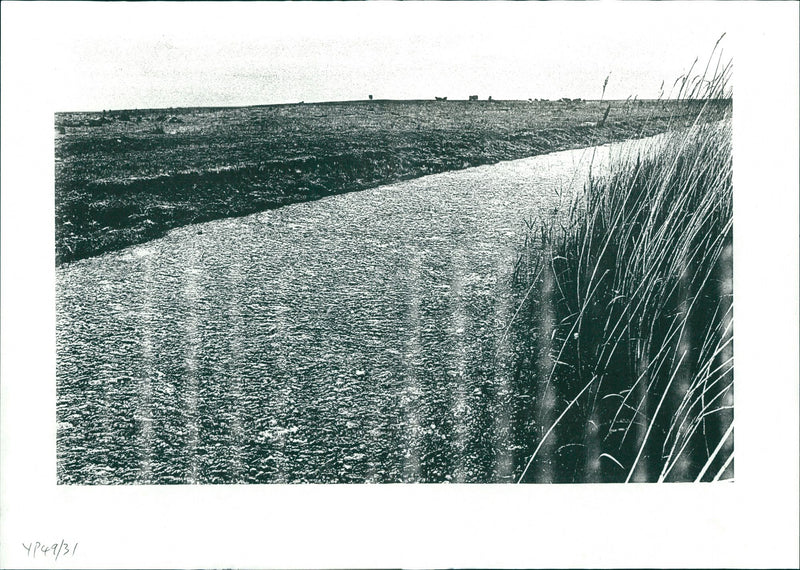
(125, 177)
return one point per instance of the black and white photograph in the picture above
(372, 285)
(300, 249)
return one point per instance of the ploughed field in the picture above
(125, 177)
(362, 337)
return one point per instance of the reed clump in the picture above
(628, 303)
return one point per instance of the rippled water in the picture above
(358, 338)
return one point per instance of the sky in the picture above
(138, 55)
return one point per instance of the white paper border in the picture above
(750, 523)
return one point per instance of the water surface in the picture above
(359, 338)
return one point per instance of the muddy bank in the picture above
(127, 177)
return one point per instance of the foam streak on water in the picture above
(412, 390)
(458, 366)
(236, 345)
(192, 343)
(148, 373)
(503, 367)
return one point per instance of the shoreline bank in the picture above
(134, 178)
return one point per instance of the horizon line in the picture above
(388, 100)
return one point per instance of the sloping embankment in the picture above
(124, 183)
